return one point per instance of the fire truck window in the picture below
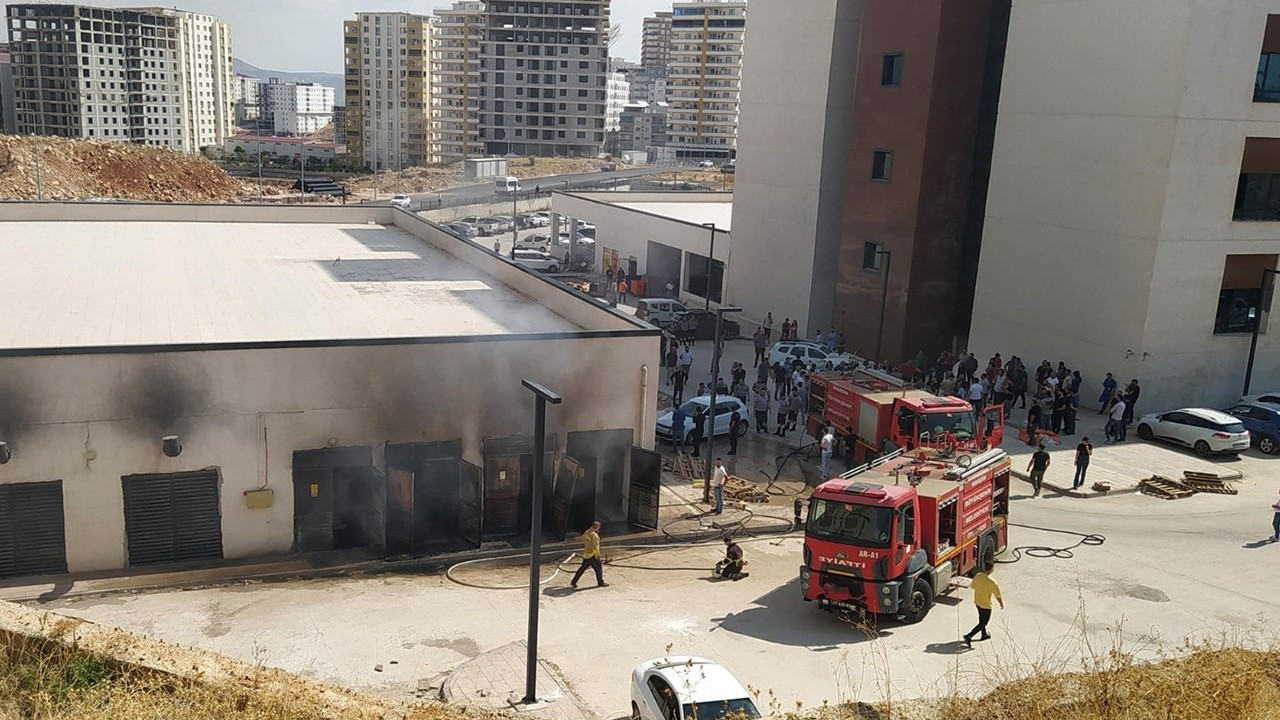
(907, 424)
(859, 525)
(907, 524)
(947, 526)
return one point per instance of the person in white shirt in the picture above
(1115, 422)
(828, 445)
(686, 361)
(719, 478)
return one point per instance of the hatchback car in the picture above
(1271, 397)
(809, 353)
(401, 201)
(537, 241)
(1205, 431)
(701, 325)
(1262, 420)
(534, 260)
(688, 688)
(462, 230)
(724, 413)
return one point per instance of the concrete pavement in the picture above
(495, 680)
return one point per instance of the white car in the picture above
(402, 201)
(725, 405)
(486, 226)
(1205, 431)
(537, 241)
(462, 230)
(688, 688)
(810, 353)
(502, 223)
(706, 164)
(540, 261)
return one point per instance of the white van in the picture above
(507, 185)
(658, 311)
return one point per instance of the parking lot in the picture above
(1167, 571)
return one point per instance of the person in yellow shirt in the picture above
(591, 556)
(984, 588)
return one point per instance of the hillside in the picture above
(86, 169)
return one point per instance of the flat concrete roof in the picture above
(91, 284)
(719, 212)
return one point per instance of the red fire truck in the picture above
(867, 408)
(888, 537)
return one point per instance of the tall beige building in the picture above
(455, 78)
(388, 88)
(706, 77)
(655, 41)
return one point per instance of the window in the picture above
(891, 70)
(1240, 300)
(1266, 85)
(871, 257)
(881, 164)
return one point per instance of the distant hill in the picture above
(332, 80)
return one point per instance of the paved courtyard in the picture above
(1168, 570)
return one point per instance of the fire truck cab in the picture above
(888, 537)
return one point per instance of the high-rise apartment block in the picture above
(618, 94)
(8, 121)
(655, 41)
(388, 88)
(642, 125)
(248, 98)
(295, 109)
(455, 81)
(150, 76)
(650, 85)
(545, 68)
(706, 76)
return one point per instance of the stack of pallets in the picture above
(1207, 483)
(742, 490)
(1163, 487)
(688, 469)
(1190, 484)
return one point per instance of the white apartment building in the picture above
(655, 41)
(388, 88)
(649, 85)
(149, 76)
(706, 76)
(296, 109)
(1134, 202)
(248, 98)
(457, 32)
(618, 91)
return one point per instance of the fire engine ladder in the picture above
(883, 377)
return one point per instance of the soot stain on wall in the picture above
(163, 398)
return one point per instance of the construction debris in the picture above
(64, 169)
(687, 468)
(1191, 483)
(742, 490)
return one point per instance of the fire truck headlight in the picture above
(804, 585)
(805, 574)
(885, 589)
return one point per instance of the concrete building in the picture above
(296, 109)
(870, 144)
(642, 126)
(289, 148)
(191, 384)
(649, 85)
(388, 88)
(8, 119)
(618, 90)
(150, 76)
(1132, 204)
(706, 77)
(655, 41)
(662, 237)
(248, 99)
(457, 34)
(546, 68)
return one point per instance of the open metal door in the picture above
(646, 487)
(567, 476)
(471, 503)
(993, 425)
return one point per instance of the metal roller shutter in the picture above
(172, 518)
(32, 530)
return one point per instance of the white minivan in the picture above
(658, 311)
(507, 185)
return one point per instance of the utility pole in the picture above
(39, 169)
(543, 396)
(260, 194)
(1264, 305)
(710, 417)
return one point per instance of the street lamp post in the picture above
(711, 254)
(710, 417)
(543, 396)
(260, 169)
(515, 226)
(884, 301)
(1263, 306)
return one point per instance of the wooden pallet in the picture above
(688, 469)
(742, 490)
(1218, 487)
(1163, 487)
(1193, 475)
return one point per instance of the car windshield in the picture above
(692, 406)
(859, 525)
(959, 424)
(740, 708)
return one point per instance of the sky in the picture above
(306, 35)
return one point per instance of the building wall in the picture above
(8, 118)
(655, 41)
(1119, 166)
(204, 61)
(797, 109)
(297, 108)
(707, 40)
(928, 122)
(387, 55)
(456, 37)
(618, 92)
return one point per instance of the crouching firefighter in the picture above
(733, 563)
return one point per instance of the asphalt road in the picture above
(480, 192)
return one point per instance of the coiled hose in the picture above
(1045, 551)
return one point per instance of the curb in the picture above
(1233, 476)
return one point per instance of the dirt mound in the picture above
(83, 169)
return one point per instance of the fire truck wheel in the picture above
(986, 552)
(918, 602)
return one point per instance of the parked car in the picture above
(706, 164)
(658, 311)
(725, 405)
(506, 185)
(729, 167)
(543, 217)
(1205, 431)
(532, 220)
(701, 325)
(486, 225)
(1271, 397)
(609, 167)
(536, 241)
(1262, 420)
(462, 230)
(810, 353)
(688, 688)
(586, 228)
(402, 201)
(536, 260)
(506, 223)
